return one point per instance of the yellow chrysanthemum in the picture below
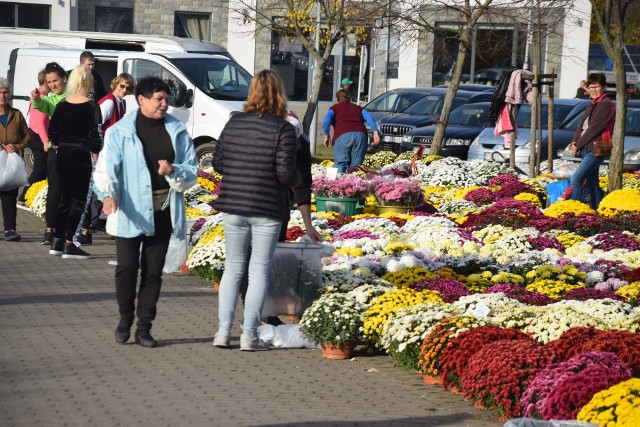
(408, 276)
(617, 406)
(630, 292)
(33, 191)
(529, 198)
(568, 206)
(620, 202)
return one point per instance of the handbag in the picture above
(602, 148)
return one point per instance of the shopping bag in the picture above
(176, 255)
(555, 190)
(13, 172)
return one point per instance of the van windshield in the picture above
(219, 78)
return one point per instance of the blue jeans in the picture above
(587, 171)
(349, 150)
(242, 232)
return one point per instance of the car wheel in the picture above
(204, 154)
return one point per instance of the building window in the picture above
(25, 15)
(114, 19)
(192, 25)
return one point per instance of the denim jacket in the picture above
(121, 172)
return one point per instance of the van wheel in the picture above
(204, 154)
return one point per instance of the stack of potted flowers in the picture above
(396, 195)
(343, 195)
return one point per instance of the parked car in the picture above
(394, 101)
(422, 113)
(488, 146)
(490, 75)
(631, 159)
(465, 123)
(471, 87)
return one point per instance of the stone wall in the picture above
(157, 17)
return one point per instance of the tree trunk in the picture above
(452, 88)
(617, 153)
(315, 93)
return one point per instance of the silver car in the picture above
(489, 147)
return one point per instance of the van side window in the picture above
(141, 68)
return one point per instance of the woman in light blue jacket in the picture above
(147, 162)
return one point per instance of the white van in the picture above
(206, 88)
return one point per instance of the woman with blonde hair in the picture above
(255, 204)
(74, 130)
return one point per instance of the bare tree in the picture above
(333, 20)
(609, 16)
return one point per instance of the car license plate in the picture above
(396, 139)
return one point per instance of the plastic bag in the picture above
(529, 422)
(564, 171)
(13, 172)
(284, 336)
(295, 278)
(555, 190)
(176, 255)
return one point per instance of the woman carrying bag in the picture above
(597, 125)
(14, 136)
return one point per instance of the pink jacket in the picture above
(39, 122)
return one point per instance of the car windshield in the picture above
(393, 102)
(632, 123)
(560, 113)
(470, 115)
(219, 78)
(431, 105)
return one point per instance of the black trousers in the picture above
(53, 190)
(146, 253)
(39, 171)
(74, 171)
(8, 200)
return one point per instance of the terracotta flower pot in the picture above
(430, 379)
(216, 286)
(337, 352)
(455, 390)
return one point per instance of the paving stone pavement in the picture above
(60, 365)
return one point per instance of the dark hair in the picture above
(598, 78)
(86, 55)
(150, 85)
(54, 67)
(343, 95)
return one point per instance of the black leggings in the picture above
(74, 171)
(9, 211)
(53, 189)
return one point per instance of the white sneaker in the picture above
(221, 339)
(249, 343)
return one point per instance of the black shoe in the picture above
(71, 251)
(99, 225)
(57, 247)
(11, 236)
(122, 334)
(144, 338)
(85, 239)
(48, 238)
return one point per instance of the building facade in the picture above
(387, 59)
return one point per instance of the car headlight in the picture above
(406, 139)
(476, 141)
(632, 156)
(456, 141)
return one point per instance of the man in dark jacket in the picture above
(88, 60)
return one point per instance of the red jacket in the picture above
(118, 112)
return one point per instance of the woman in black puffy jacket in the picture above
(256, 155)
